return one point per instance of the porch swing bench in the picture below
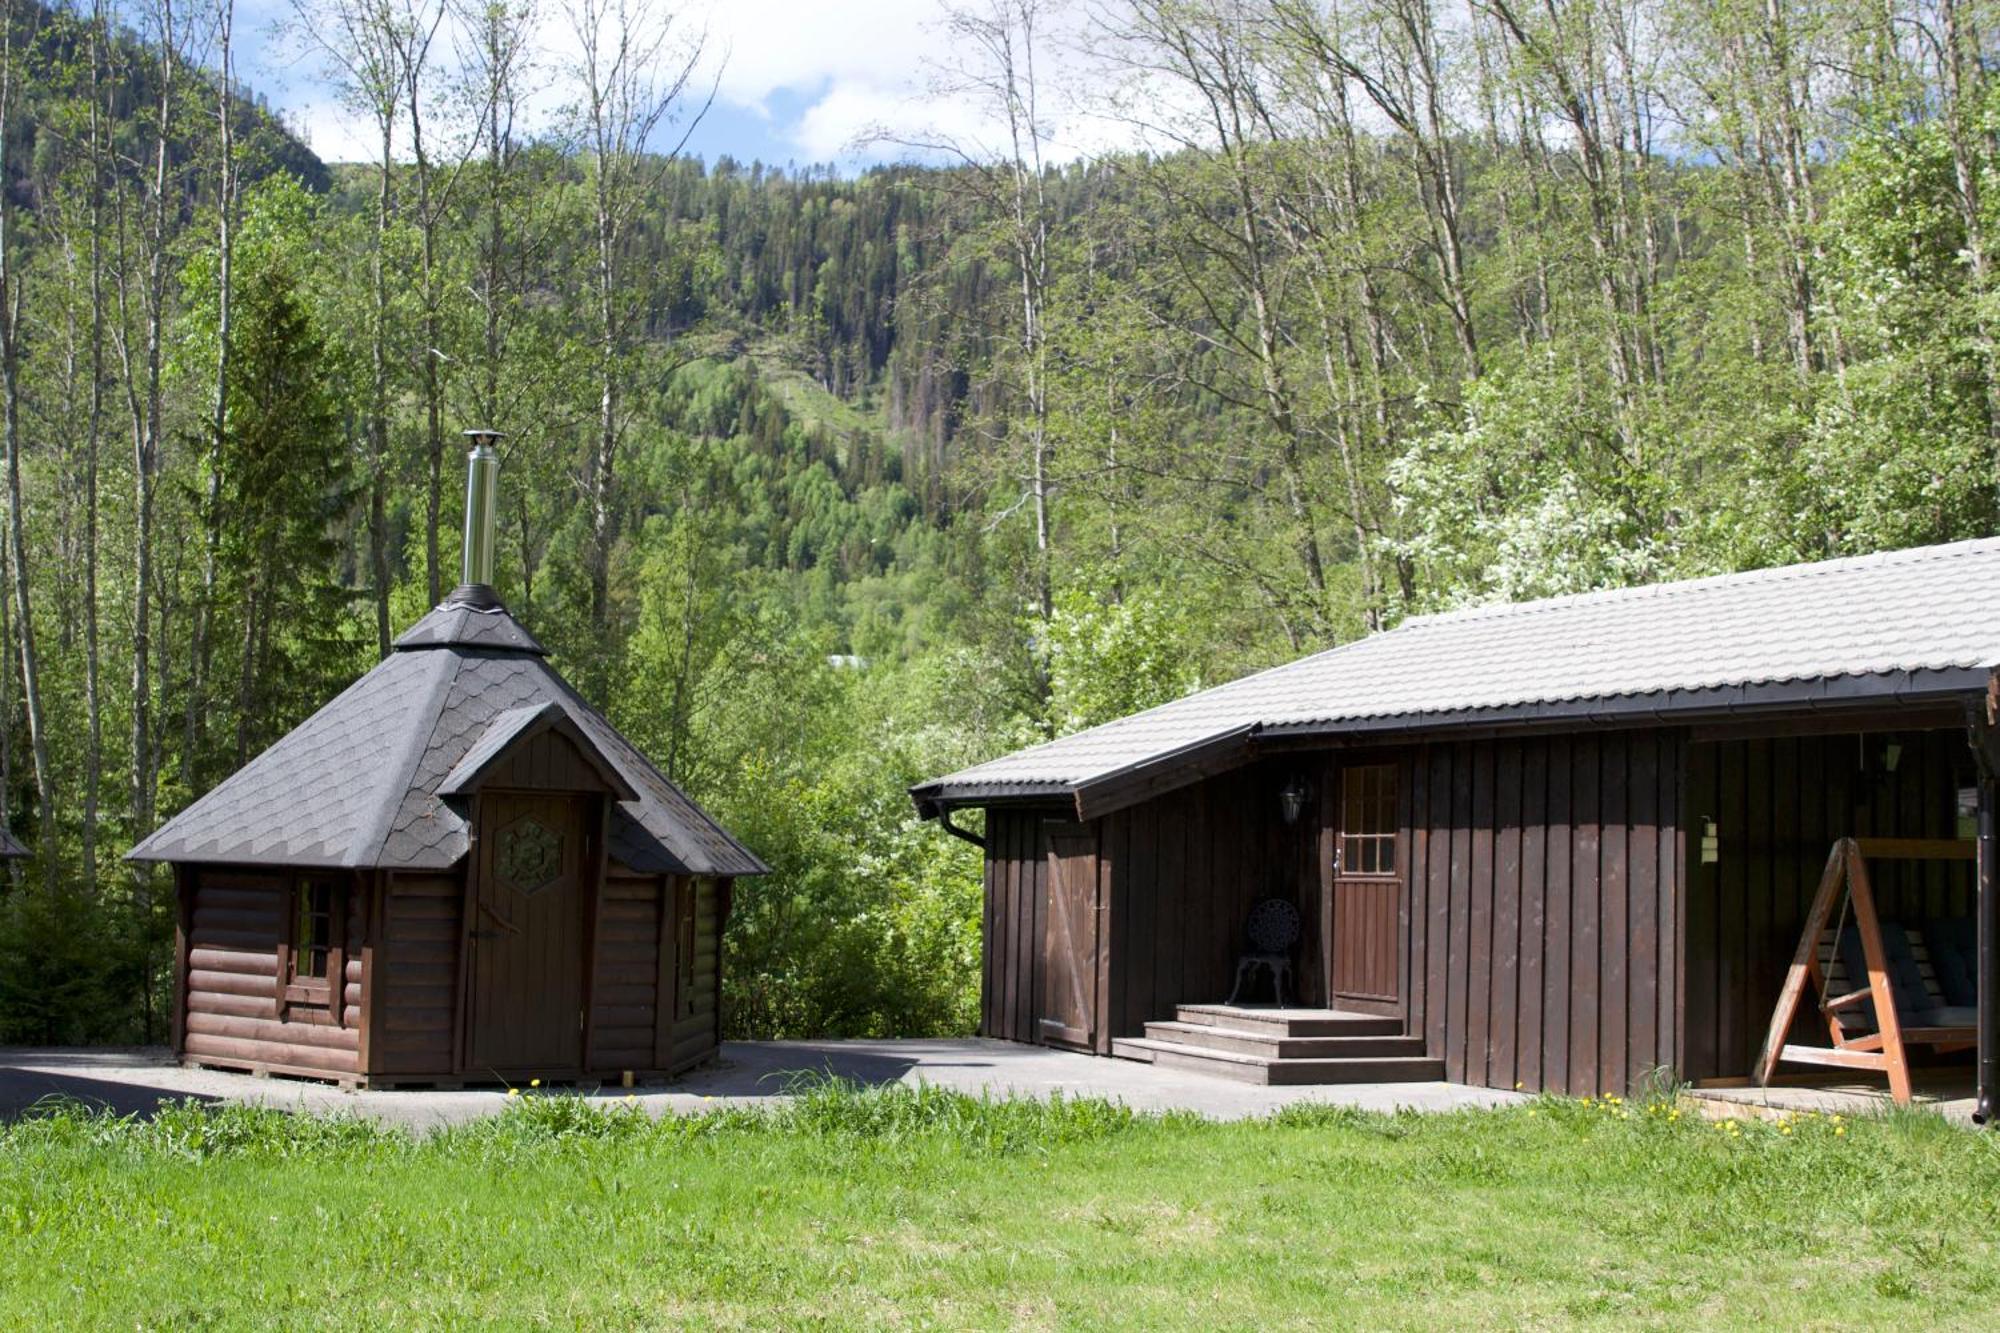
(1882, 986)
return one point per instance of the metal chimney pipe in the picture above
(482, 500)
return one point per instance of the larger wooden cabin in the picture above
(456, 871)
(1564, 845)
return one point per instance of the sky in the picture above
(801, 81)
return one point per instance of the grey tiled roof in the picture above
(1853, 627)
(356, 784)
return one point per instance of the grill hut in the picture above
(456, 871)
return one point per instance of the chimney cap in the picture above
(484, 435)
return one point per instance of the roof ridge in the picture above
(1906, 555)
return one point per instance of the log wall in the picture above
(230, 1010)
(416, 982)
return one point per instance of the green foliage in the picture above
(1528, 497)
(1107, 657)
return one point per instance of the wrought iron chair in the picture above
(1269, 936)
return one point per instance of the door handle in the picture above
(502, 921)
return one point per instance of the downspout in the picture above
(1979, 718)
(1987, 928)
(964, 835)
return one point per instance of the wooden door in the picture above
(528, 894)
(1070, 938)
(1365, 926)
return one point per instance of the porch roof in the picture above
(1898, 627)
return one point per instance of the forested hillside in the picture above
(824, 483)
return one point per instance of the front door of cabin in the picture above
(1070, 938)
(525, 1010)
(1365, 909)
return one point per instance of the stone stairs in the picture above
(1283, 1046)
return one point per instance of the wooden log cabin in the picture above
(1566, 845)
(455, 872)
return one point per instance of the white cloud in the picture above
(797, 45)
(822, 75)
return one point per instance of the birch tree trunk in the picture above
(12, 293)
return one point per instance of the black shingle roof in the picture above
(356, 783)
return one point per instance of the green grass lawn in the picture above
(906, 1207)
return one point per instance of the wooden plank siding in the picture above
(1778, 803)
(1176, 878)
(1536, 909)
(1545, 865)
(1558, 928)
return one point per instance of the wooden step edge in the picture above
(1202, 1060)
(1132, 1048)
(1278, 1046)
(1327, 1024)
(1358, 1069)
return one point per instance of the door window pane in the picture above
(1368, 820)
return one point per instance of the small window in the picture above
(312, 930)
(310, 959)
(1368, 820)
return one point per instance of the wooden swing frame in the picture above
(1884, 1050)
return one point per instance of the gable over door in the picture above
(1070, 938)
(528, 893)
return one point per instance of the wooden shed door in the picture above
(528, 896)
(1367, 902)
(1069, 990)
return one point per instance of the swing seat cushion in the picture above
(1917, 1004)
(1954, 959)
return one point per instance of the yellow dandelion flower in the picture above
(513, 1092)
(534, 1083)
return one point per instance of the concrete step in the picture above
(1275, 1047)
(1289, 1022)
(1261, 1069)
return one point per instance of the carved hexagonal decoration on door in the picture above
(528, 855)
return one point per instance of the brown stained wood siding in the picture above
(1545, 867)
(695, 1032)
(1177, 876)
(624, 987)
(1011, 974)
(416, 983)
(545, 762)
(1537, 936)
(1778, 804)
(234, 922)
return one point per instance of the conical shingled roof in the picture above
(356, 784)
